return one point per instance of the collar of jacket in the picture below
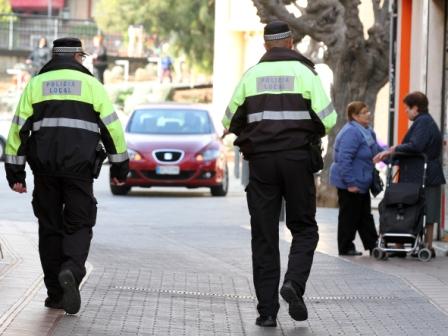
(285, 54)
(420, 114)
(59, 64)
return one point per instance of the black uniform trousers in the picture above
(274, 176)
(66, 210)
(355, 215)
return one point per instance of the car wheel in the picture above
(223, 188)
(119, 190)
(2, 149)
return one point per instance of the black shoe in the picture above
(71, 299)
(54, 304)
(433, 253)
(297, 308)
(351, 253)
(266, 321)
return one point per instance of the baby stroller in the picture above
(402, 210)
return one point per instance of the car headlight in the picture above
(134, 155)
(208, 155)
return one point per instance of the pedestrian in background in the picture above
(39, 56)
(423, 137)
(62, 115)
(99, 58)
(352, 174)
(277, 109)
(166, 64)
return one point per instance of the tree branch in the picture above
(376, 8)
(354, 34)
(322, 20)
(378, 41)
(312, 51)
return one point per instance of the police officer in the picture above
(62, 115)
(278, 107)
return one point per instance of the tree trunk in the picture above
(359, 65)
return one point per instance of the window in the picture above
(170, 121)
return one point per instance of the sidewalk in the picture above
(196, 280)
(355, 296)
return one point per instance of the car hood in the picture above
(146, 143)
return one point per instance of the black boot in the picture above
(71, 299)
(53, 303)
(297, 307)
(266, 321)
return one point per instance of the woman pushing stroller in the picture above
(423, 137)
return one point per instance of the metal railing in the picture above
(22, 32)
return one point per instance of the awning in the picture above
(36, 4)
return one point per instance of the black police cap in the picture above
(276, 30)
(67, 45)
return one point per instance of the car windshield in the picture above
(170, 121)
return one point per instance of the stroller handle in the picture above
(407, 155)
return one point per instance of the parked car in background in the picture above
(174, 145)
(5, 124)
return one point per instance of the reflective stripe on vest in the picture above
(66, 122)
(110, 118)
(19, 121)
(14, 159)
(115, 158)
(278, 115)
(326, 111)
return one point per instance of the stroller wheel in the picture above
(378, 254)
(424, 254)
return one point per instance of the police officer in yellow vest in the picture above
(61, 117)
(277, 111)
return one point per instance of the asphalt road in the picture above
(177, 262)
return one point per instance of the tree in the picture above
(5, 7)
(187, 25)
(360, 66)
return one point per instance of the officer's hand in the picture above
(19, 187)
(117, 182)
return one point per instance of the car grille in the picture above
(168, 155)
(183, 175)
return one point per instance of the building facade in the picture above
(67, 9)
(421, 63)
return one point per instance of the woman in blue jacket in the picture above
(352, 173)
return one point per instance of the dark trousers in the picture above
(355, 215)
(66, 210)
(274, 176)
(98, 72)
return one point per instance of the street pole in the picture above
(50, 8)
(393, 12)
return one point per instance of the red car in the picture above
(174, 145)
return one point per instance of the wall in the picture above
(435, 58)
(79, 9)
(239, 45)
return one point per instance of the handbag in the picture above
(377, 183)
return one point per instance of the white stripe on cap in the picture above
(57, 50)
(279, 36)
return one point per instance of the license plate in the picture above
(167, 170)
